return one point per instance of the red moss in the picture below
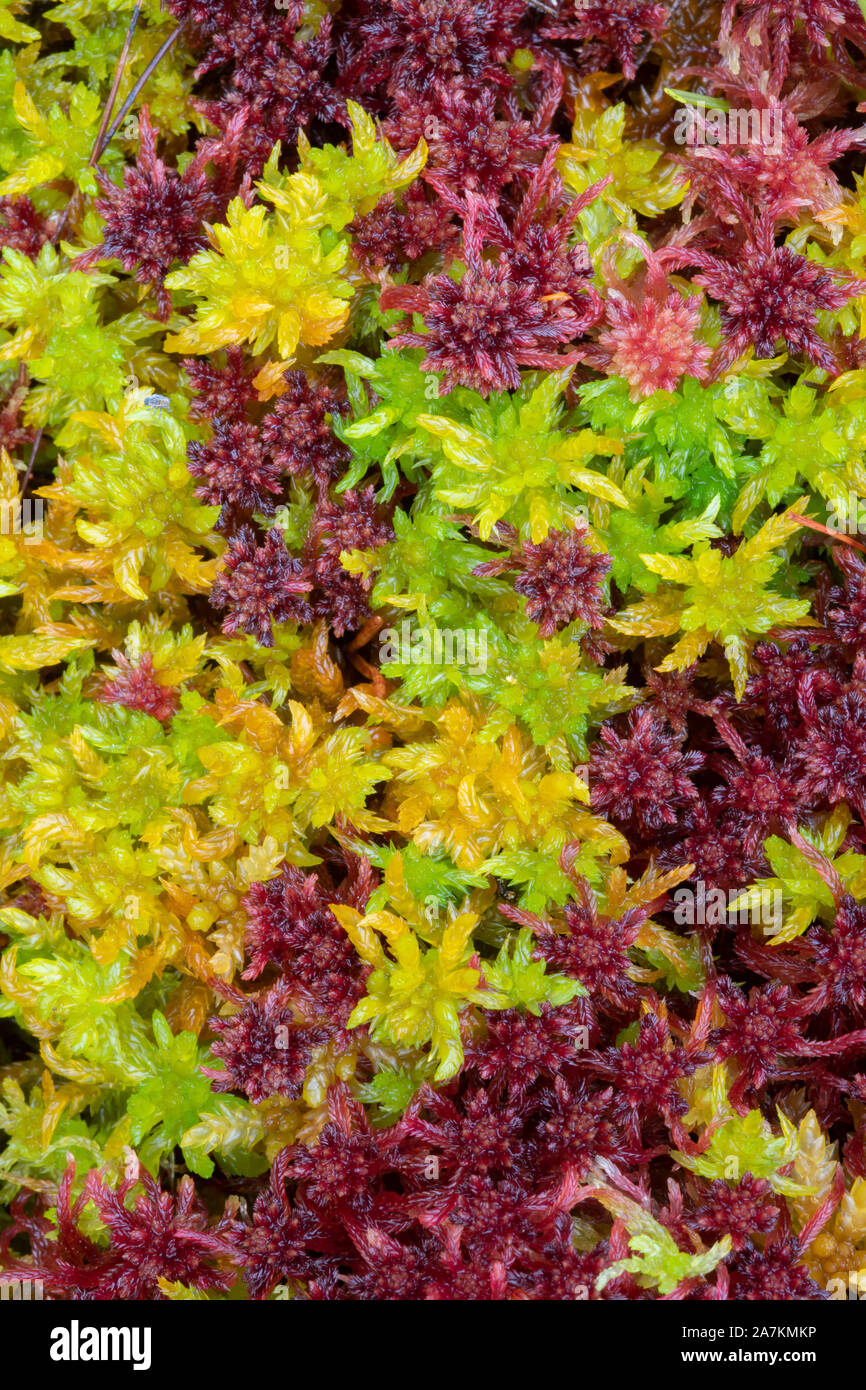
(780, 168)
(291, 927)
(22, 227)
(671, 696)
(520, 1049)
(773, 689)
(263, 1050)
(579, 1129)
(470, 148)
(713, 843)
(355, 522)
(588, 946)
(509, 313)
(774, 1274)
(614, 30)
(136, 687)
(645, 1075)
(560, 578)
(764, 1028)
(158, 1236)
(812, 25)
(770, 295)
(409, 45)
(649, 333)
(297, 433)
(481, 1137)
(233, 471)
(13, 434)
(761, 792)
(740, 1212)
(278, 82)
(838, 964)
(281, 1242)
(397, 232)
(846, 619)
(224, 393)
(157, 218)
(832, 753)
(641, 779)
(341, 1174)
(261, 584)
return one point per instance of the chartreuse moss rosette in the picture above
(433, 649)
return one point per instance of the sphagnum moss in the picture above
(431, 587)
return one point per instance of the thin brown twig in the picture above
(133, 96)
(101, 142)
(33, 452)
(61, 225)
(827, 531)
(373, 674)
(647, 48)
(373, 625)
(98, 146)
